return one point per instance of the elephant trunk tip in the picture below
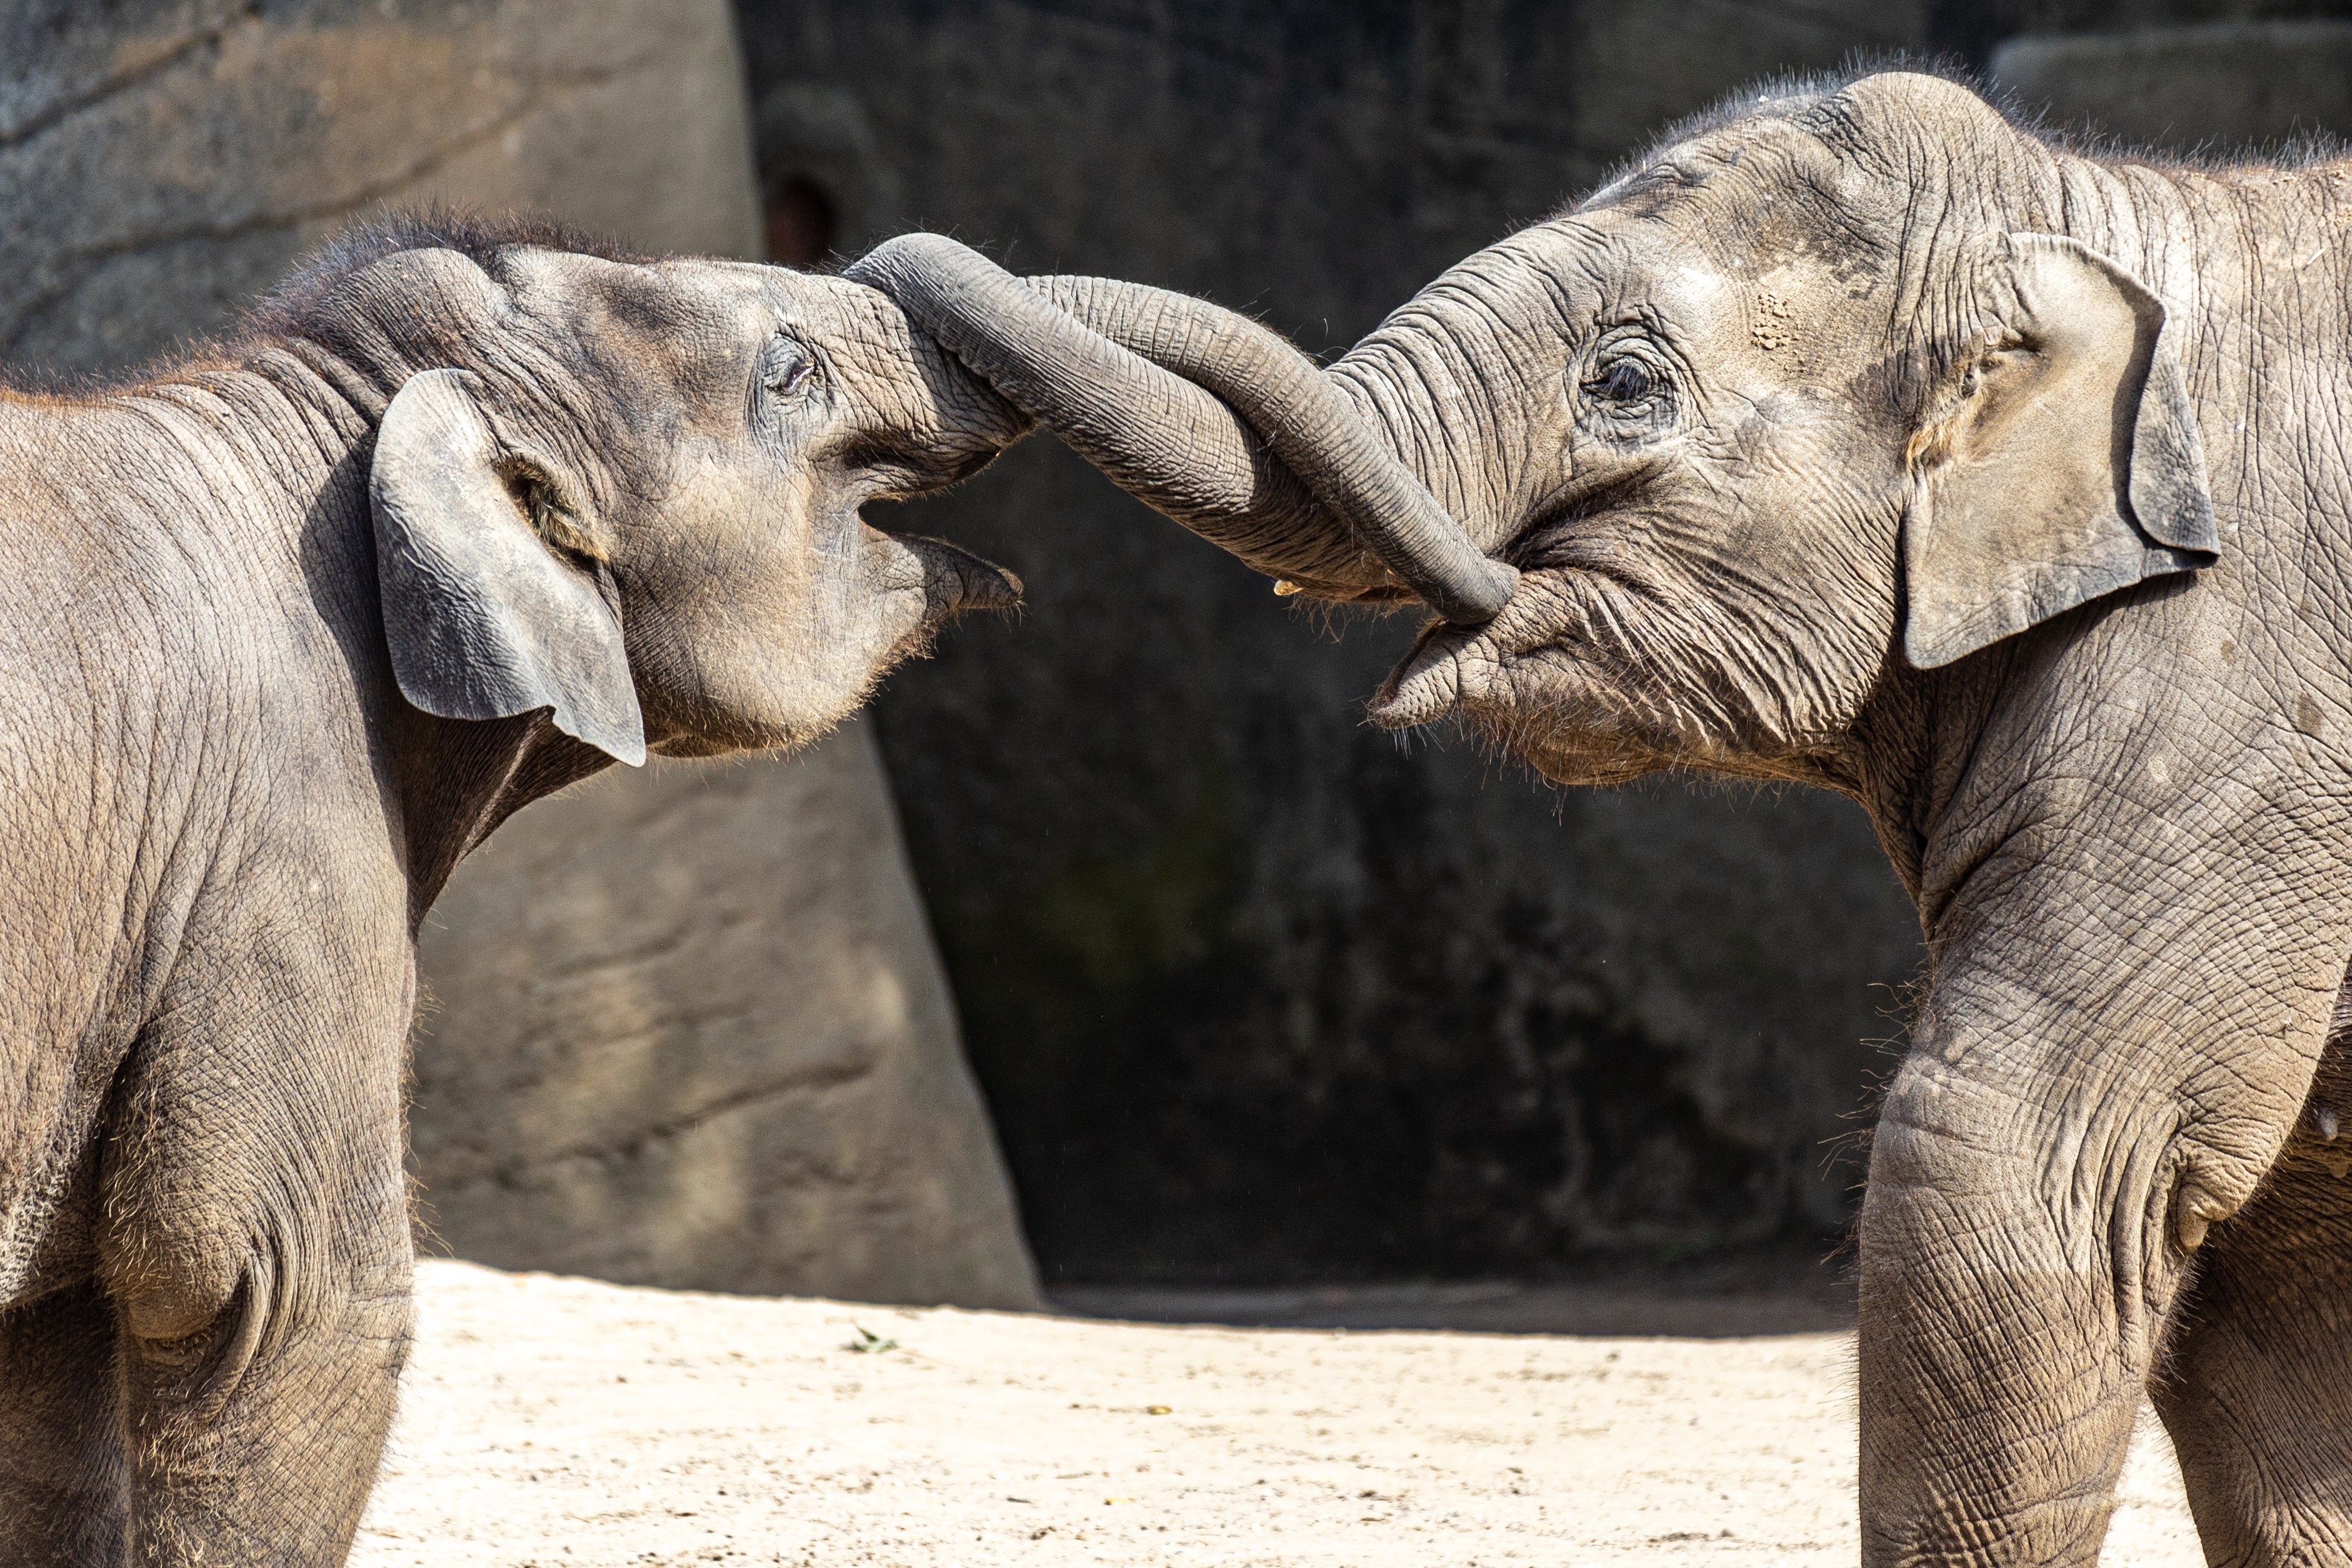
(1475, 589)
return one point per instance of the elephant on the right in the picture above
(1861, 437)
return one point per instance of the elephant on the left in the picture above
(461, 515)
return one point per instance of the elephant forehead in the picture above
(1752, 190)
(671, 317)
(1694, 289)
(861, 330)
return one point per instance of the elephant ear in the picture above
(484, 619)
(2068, 467)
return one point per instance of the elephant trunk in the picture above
(1301, 488)
(1435, 391)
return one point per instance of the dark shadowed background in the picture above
(1253, 990)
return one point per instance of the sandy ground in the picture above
(554, 1421)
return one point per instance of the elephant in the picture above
(1861, 435)
(463, 513)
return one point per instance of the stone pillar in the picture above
(690, 1028)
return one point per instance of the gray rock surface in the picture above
(2219, 88)
(719, 1055)
(688, 1026)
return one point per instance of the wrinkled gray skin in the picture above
(1820, 459)
(615, 509)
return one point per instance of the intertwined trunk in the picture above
(1147, 384)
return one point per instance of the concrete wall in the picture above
(689, 1026)
(2217, 87)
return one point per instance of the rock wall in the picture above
(691, 1026)
(688, 1026)
(2217, 87)
(1256, 991)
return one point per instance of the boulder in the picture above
(2223, 87)
(687, 1027)
(691, 1028)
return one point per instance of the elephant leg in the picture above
(1999, 1371)
(253, 1427)
(255, 1245)
(2024, 1240)
(61, 1475)
(2255, 1384)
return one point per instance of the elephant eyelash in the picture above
(1626, 381)
(1628, 378)
(793, 379)
(794, 368)
(543, 506)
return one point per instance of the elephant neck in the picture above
(279, 442)
(459, 780)
(1915, 754)
(1908, 754)
(455, 779)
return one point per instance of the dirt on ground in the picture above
(558, 1421)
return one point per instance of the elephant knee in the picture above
(1947, 1148)
(180, 1299)
(2045, 1182)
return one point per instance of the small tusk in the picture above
(2324, 1118)
(1283, 588)
(2199, 1210)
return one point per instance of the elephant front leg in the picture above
(2255, 1381)
(254, 1429)
(2002, 1356)
(256, 1253)
(2042, 1177)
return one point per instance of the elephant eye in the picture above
(1627, 393)
(790, 367)
(1626, 381)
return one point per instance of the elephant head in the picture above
(1741, 433)
(626, 493)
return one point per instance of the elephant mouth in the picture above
(953, 580)
(1562, 680)
(1426, 684)
(1461, 670)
